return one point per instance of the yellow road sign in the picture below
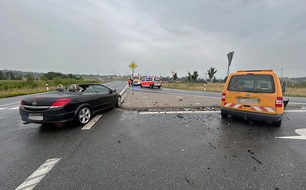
(133, 66)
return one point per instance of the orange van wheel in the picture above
(277, 123)
(224, 115)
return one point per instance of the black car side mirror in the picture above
(112, 91)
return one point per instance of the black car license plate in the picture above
(36, 116)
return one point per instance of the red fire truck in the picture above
(151, 82)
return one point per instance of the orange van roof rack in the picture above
(268, 70)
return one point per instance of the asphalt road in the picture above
(140, 150)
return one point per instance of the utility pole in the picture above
(281, 73)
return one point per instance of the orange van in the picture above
(253, 94)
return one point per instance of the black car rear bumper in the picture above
(48, 116)
(252, 115)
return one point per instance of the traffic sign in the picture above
(133, 66)
(230, 57)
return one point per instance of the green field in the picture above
(218, 87)
(10, 88)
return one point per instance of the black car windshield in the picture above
(252, 83)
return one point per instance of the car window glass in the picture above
(148, 79)
(252, 83)
(89, 90)
(156, 79)
(101, 89)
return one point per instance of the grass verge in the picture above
(218, 87)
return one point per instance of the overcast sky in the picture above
(160, 36)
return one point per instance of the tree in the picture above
(211, 73)
(12, 75)
(189, 76)
(174, 74)
(1, 76)
(29, 78)
(215, 80)
(195, 75)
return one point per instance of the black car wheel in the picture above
(151, 86)
(118, 103)
(84, 115)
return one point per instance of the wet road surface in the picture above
(142, 150)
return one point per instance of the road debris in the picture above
(259, 162)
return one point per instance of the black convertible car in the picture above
(78, 102)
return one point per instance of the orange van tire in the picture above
(224, 115)
(277, 123)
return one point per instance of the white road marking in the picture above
(190, 112)
(295, 111)
(301, 132)
(3, 108)
(38, 175)
(92, 122)
(15, 108)
(297, 103)
(176, 112)
(9, 104)
(123, 90)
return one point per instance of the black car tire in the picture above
(277, 123)
(84, 115)
(159, 87)
(118, 103)
(151, 86)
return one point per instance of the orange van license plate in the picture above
(248, 101)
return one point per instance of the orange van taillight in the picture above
(60, 103)
(223, 97)
(279, 102)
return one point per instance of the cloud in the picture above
(159, 36)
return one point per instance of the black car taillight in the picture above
(60, 103)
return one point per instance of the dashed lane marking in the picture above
(15, 108)
(9, 104)
(3, 108)
(92, 122)
(38, 175)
